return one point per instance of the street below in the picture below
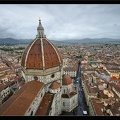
(82, 107)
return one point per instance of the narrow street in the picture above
(82, 106)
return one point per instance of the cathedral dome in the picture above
(66, 80)
(41, 53)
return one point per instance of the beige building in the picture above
(114, 74)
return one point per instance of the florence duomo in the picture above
(58, 65)
(47, 90)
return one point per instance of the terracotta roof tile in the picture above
(45, 105)
(71, 94)
(8, 103)
(34, 58)
(102, 95)
(22, 99)
(113, 78)
(66, 80)
(65, 96)
(55, 85)
(97, 106)
(115, 109)
(91, 89)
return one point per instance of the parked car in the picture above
(85, 112)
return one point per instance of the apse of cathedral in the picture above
(46, 92)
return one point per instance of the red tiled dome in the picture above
(54, 85)
(66, 80)
(38, 56)
(41, 53)
(113, 78)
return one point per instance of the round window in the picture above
(53, 75)
(35, 78)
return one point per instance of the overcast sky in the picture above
(60, 21)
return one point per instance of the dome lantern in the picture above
(40, 30)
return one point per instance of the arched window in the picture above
(41, 94)
(31, 113)
(64, 90)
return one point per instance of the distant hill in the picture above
(88, 40)
(8, 41)
(13, 41)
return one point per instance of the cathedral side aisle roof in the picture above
(21, 100)
(45, 105)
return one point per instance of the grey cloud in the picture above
(60, 21)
